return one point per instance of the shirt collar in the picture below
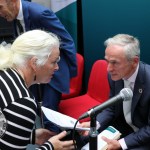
(134, 75)
(20, 14)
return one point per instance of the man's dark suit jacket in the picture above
(140, 109)
(39, 17)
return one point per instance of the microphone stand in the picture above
(93, 133)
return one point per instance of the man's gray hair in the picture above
(130, 44)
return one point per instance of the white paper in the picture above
(60, 119)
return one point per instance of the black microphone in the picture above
(125, 94)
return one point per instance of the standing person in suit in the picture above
(131, 118)
(34, 16)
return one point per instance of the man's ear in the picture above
(136, 60)
(16, 5)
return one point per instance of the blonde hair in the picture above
(36, 43)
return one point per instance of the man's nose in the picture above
(109, 67)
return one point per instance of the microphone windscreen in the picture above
(126, 94)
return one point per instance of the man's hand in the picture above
(84, 125)
(112, 144)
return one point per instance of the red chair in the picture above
(76, 82)
(97, 93)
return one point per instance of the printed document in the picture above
(61, 120)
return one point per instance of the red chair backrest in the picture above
(76, 82)
(98, 86)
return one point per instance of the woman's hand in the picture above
(61, 145)
(42, 135)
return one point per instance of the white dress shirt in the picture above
(20, 17)
(128, 83)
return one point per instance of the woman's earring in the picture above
(35, 78)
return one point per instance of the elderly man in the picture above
(131, 118)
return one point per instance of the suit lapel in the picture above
(26, 16)
(118, 87)
(138, 88)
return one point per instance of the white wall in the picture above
(43, 2)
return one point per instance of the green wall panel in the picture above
(106, 18)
